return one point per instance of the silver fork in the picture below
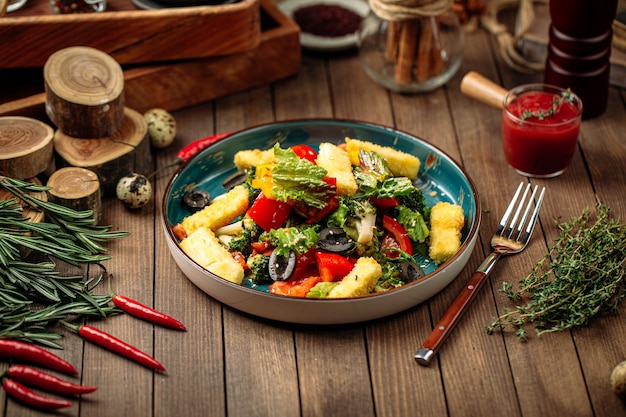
(510, 238)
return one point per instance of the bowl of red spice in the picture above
(327, 25)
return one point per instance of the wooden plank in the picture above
(30, 35)
(195, 384)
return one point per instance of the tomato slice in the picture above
(384, 202)
(294, 288)
(305, 152)
(305, 265)
(399, 234)
(332, 266)
(269, 213)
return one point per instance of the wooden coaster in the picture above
(27, 146)
(76, 188)
(84, 92)
(124, 152)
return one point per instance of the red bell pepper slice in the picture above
(294, 288)
(399, 234)
(269, 213)
(332, 266)
(305, 152)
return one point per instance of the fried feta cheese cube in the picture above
(205, 249)
(400, 163)
(220, 212)
(360, 281)
(446, 223)
(337, 162)
(253, 157)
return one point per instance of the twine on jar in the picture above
(396, 10)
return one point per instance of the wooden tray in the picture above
(181, 84)
(131, 35)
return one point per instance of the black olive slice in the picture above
(410, 271)
(235, 179)
(334, 239)
(282, 267)
(197, 199)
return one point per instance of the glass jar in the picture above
(77, 6)
(411, 56)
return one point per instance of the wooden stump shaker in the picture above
(84, 92)
(76, 188)
(125, 152)
(27, 147)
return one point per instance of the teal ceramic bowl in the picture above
(440, 178)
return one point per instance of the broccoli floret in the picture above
(414, 200)
(259, 269)
(241, 243)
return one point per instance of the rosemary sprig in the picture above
(582, 275)
(34, 296)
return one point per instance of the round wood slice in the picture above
(76, 188)
(26, 147)
(84, 92)
(125, 152)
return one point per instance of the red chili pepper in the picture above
(194, 148)
(144, 312)
(48, 382)
(25, 351)
(116, 345)
(29, 397)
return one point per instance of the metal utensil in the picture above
(510, 238)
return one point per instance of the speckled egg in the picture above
(161, 127)
(134, 190)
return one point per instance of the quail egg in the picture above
(134, 190)
(161, 127)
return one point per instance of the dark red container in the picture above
(579, 50)
(582, 18)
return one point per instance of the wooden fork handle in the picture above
(453, 315)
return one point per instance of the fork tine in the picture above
(505, 218)
(513, 222)
(533, 218)
(522, 221)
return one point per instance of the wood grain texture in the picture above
(27, 146)
(131, 36)
(76, 188)
(111, 157)
(84, 92)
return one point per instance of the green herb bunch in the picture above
(582, 275)
(33, 294)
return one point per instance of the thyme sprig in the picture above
(557, 102)
(34, 296)
(582, 275)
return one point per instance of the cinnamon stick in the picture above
(424, 51)
(409, 34)
(393, 34)
(437, 62)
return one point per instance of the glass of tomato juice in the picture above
(540, 125)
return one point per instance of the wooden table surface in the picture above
(232, 364)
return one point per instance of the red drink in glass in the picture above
(540, 125)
